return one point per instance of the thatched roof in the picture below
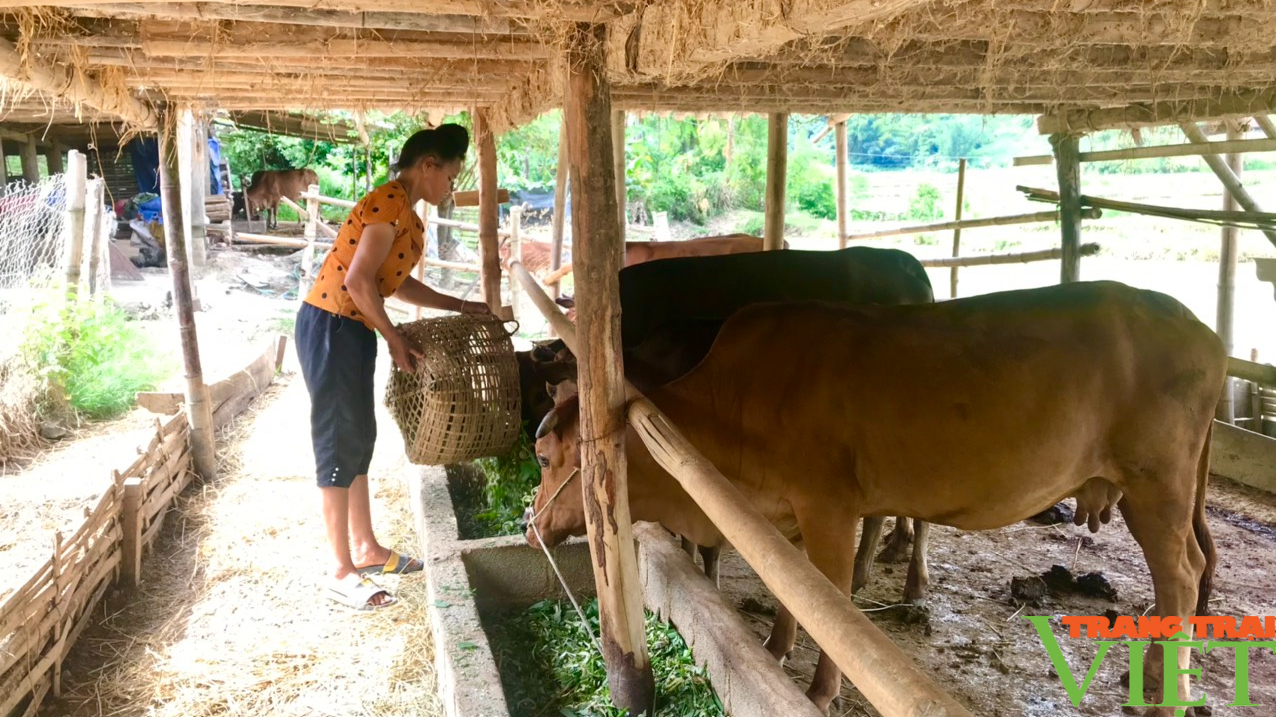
(1200, 57)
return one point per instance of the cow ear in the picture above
(557, 371)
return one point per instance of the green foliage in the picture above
(88, 352)
(527, 157)
(926, 203)
(510, 485)
(549, 666)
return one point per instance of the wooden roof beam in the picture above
(1221, 106)
(529, 9)
(368, 20)
(59, 82)
(347, 48)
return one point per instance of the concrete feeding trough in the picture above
(468, 581)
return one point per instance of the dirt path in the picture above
(977, 645)
(230, 619)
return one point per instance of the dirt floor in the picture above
(230, 618)
(976, 644)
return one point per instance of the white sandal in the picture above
(355, 591)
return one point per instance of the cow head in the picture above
(558, 452)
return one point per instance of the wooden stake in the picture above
(961, 194)
(1066, 148)
(776, 172)
(4, 168)
(599, 254)
(189, 185)
(488, 241)
(843, 209)
(1227, 255)
(560, 208)
(95, 198)
(199, 192)
(618, 160)
(131, 517)
(1230, 181)
(57, 608)
(30, 161)
(76, 180)
(311, 234)
(198, 409)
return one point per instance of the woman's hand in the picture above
(402, 351)
(475, 307)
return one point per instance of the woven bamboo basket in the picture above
(463, 401)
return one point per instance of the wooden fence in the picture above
(42, 619)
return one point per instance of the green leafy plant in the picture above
(90, 354)
(549, 666)
(509, 486)
(925, 204)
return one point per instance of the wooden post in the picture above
(94, 204)
(4, 168)
(843, 209)
(516, 254)
(776, 173)
(488, 241)
(192, 198)
(618, 160)
(1227, 255)
(1230, 181)
(311, 234)
(54, 157)
(30, 161)
(1067, 165)
(598, 256)
(131, 518)
(961, 195)
(560, 208)
(423, 213)
(198, 408)
(199, 191)
(76, 179)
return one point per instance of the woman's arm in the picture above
(418, 294)
(361, 283)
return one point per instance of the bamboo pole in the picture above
(30, 161)
(4, 167)
(198, 407)
(302, 211)
(961, 195)
(488, 209)
(343, 203)
(1230, 181)
(776, 173)
(95, 199)
(1191, 149)
(1227, 256)
(1016, 258)
(1264, 121)
(422, 213)
(516, 254)
(1008, 220)
(76, 181)
(131, 518)
(886, 676)
(1066, 149)
(618, 160)
(843, 208)
(560, 207)
(600, 254)
(311, 234)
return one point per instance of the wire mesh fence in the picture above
(33, 240)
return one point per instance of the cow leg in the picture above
(830, 551)
(689, 548)
(783, 635)
(869, 537)
(709, 554)
(1162, 526)
(897, 546)
(918, 573)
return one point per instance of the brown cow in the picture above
(268, 185)
(974, 413)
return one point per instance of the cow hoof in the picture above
(895, 554)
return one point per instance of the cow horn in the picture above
(549, 423)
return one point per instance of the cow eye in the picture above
(543, 461)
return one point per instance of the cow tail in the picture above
(1201, 530)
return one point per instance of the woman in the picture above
(337, 325)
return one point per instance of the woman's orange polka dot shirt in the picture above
(387, 204)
